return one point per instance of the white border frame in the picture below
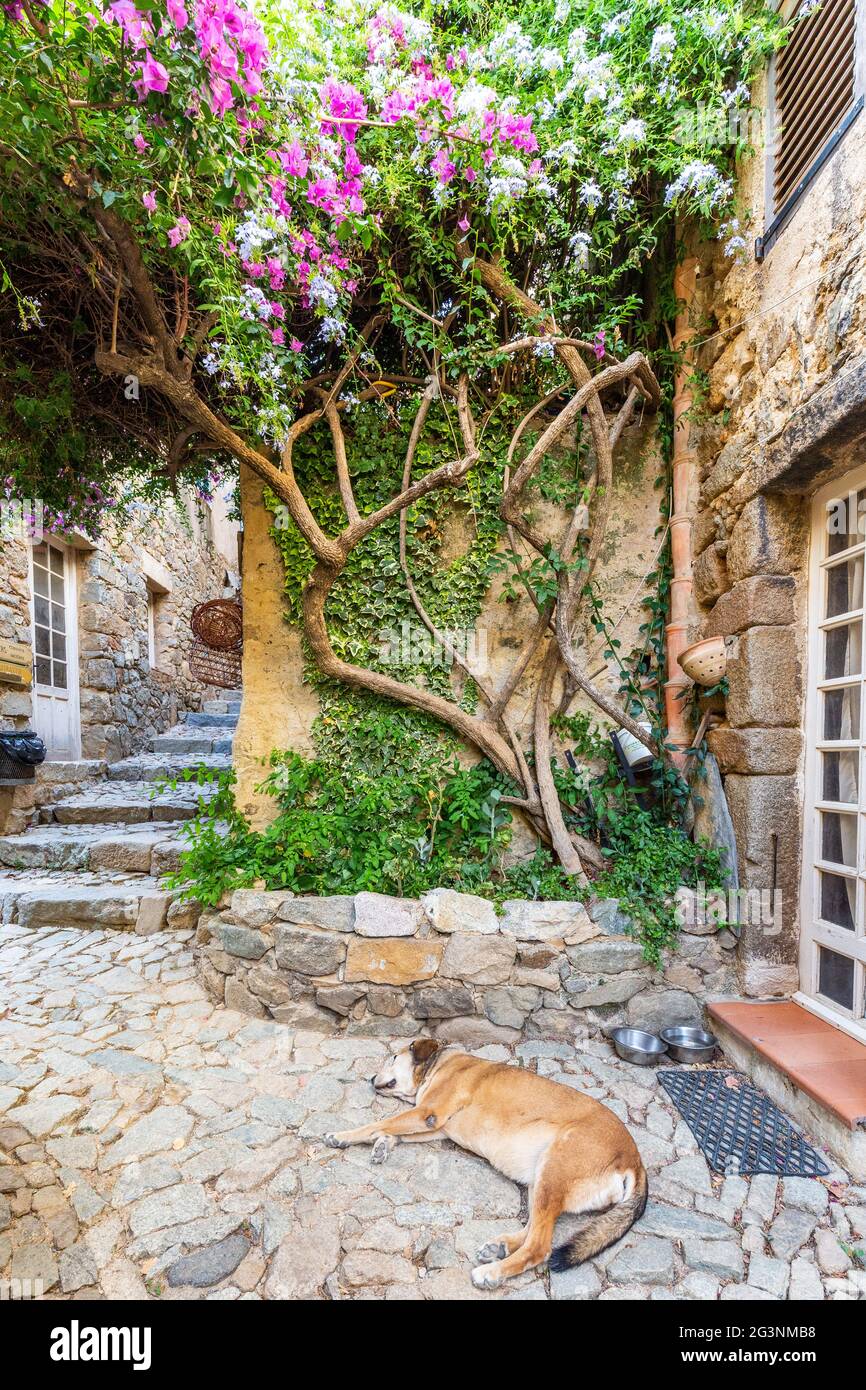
(70, 586)
(813, 934)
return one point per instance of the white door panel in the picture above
(55, 649)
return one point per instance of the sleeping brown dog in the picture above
(572, 1153)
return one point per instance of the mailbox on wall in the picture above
(16, 664)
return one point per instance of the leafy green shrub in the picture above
(390, 821)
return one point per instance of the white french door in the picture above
(833, 933)
(54, 605)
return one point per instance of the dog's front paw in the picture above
(486, 1276)
(381, 1149)
(334, 1141)
(493, 1250)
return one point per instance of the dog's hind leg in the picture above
(537, 1240)
(500, 1246)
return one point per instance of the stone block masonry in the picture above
(377, 966)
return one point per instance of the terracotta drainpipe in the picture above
(681, 520)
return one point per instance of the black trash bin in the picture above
(21, 752)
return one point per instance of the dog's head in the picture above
(403, 1073)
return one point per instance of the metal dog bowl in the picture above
(689, 1044)
(633, 1045)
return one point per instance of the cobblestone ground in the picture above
(152, 1144)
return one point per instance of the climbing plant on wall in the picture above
(400, 263)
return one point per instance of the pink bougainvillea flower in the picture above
(278, 336)
(221, 99)
(277, 310)
(154, 77)
(180, 231)
(149, 200)
(598, 344)
(294, 161)
(443, 167)
(321, 193)
(463, 224)
(296, 345)
(177, 14)
(139, 142)
(131, 21)
(344, 102)
(352, 165)
(469, 174)
(276, 273)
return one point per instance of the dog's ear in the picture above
(423, 1052)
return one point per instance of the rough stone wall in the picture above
(279, 709)
(15, 705)
(375, 966)
(785, 365)
(123, 700)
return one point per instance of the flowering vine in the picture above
(241, 227)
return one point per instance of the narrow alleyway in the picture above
(96, 858)
(152, 1143)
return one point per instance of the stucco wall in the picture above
(784, 352)
(278, 708)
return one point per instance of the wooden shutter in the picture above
(814, 90)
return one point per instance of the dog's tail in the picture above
(598, 1230)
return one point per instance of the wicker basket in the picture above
(706, 661)
(218, 630)
(219, 624)
(222, 669)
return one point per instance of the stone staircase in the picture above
(97, 858)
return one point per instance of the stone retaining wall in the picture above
(372, 965)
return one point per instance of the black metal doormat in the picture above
(738, 1128)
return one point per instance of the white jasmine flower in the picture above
(579, 246)
(632, 132)
(475, 99)
(701, 181)
(663, 44)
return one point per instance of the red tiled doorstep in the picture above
(824, 1062)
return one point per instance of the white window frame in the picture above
(813, 932)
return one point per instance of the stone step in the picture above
(181, 742)
(150, 849)
(153, 767)
(230, 705)
(199, 720)
(78, 900)
(127, 803)
(83, 770)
